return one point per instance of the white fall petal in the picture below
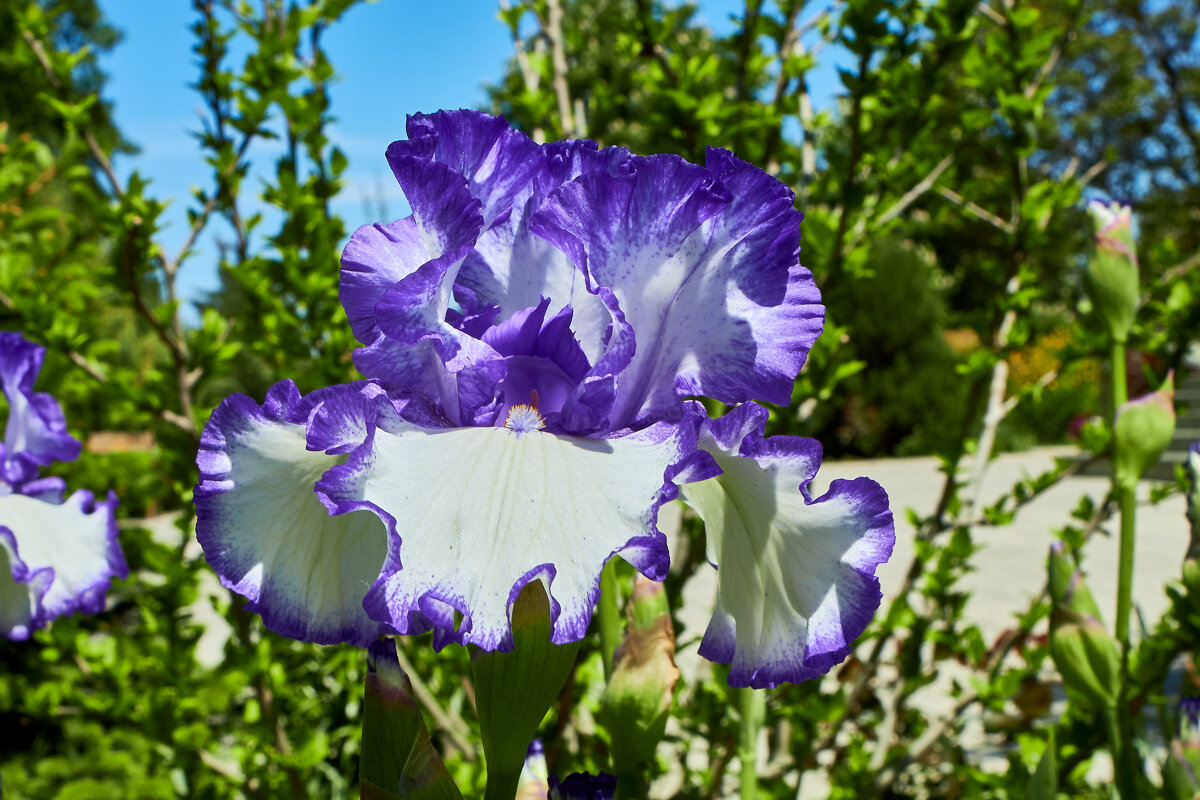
(60, 559)
(266, 533)
(796, 581)
(479, 512)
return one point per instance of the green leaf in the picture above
(1043, 784)
(398, 757)
(514, 690)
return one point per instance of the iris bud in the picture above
(637, 700)
(1112, 271)
(1181, 771)
(1084, 652)
(1142, 432)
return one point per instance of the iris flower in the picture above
(61, 555)
(534, 337)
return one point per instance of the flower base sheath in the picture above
(533, 336)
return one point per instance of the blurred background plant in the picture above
(943, 194)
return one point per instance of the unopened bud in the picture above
(1084, 652)
(1112, 271)
(637, 699)
(1142, 431)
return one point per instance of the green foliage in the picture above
(942, 194)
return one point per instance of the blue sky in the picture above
(393, 57)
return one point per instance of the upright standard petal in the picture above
(795, 575)
(477, 513)
(374, 259)
(61, 559)
(266, 533)
(703, 265)
(497, 162)
(513, 269)
(36, 432)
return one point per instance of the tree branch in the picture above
(982, 213)
(558, 59)
(901, 205)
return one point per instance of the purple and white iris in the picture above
(61, 554)
(532, 336)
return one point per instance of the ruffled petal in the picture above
(498, 163)
(513, 269)
(702, 262)
(61, 559)
(266, 533)
(477, 513)
(36, 432)
(374, 259)
(795, 575)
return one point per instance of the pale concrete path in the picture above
(1010, 566)
(1009, 569)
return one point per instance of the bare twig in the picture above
(996, 405)
(529, 75)
(174, 339)
(655, 49)
(745, 40)
(901, 205)
(1092, 172)
(817, 18)
(854, 157)
(790, 40)
(1048, 377)
(558, 60)
(75, 357)
(171, 266)
(1047, 67)
(991, 13)
(982, 213)
(1180, 269)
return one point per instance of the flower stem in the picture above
(753, 707)
(609, 612)
(1119, 724)
(1126, 504)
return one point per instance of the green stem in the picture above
(501, 786)
(1120, 391)
(609, 612)
(1119, 724)
(1126, 504)
(752, 704)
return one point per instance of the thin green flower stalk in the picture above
(1112, 281)
(608, 613)
(752, 705)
